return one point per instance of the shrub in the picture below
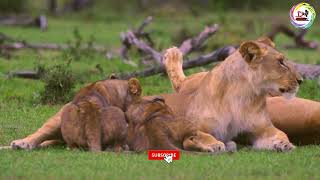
(59, 83)
(79, 47)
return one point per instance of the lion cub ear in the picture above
(267, 41)
(158, 98)
(134, 87)
(250, 51)
(113, 76)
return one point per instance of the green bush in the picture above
(80, 48)
(59, 83)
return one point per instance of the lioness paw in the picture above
(283, 146)
(173, 55)
(218, 147)
(22, 144)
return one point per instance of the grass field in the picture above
(21, 113)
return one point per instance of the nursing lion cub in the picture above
(231, 98)
(95, 118)
(163, 130)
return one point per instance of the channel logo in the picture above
(302, 15)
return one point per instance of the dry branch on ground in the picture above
(143, 42)
(298, 37)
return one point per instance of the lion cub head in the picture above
(138, 114)
(270, 68)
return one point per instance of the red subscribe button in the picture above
(161, 154)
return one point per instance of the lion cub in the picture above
(166, 131)
(95, 118)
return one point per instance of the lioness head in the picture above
(270, 68)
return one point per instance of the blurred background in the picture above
(108, 7)
(64, 44)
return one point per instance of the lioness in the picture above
(300, 118)
(93, 120)
(282, 111)
(237, 89)
(164, 130)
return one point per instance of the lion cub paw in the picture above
(282, 146)
(22, 144)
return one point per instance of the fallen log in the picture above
(298, 37)
(308, 71)
(46, 46)
(216, 56)
(24, 74)
(138, 33)
(144, 47)
(10, 43)
(133, 38)
(195, 43)
(25, 21)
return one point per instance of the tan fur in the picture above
(166, 131)
(93, 119)
(232, 97)
(299, 118)
(173, 63)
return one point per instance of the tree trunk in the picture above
(53, 6)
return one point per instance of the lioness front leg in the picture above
(204, 142)
(49, 131)
(271, 138)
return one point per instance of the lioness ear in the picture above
(250, 51)
(267, 41)
(134, 86)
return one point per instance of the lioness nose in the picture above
(300, 81)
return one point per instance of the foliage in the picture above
(80, 48)
(59, 83)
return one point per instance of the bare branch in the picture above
(141, 45)
(195, 43)
(308, 71)
(143, 25)
(25, 74)
(138, 33)
(299, 40)
(25, 21)
(9, 43)
(215, 56)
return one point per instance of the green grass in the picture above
(59, 163)
(21, 113)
